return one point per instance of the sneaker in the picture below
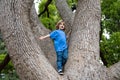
(60, 72)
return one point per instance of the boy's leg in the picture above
(59, 60)
(64, 57)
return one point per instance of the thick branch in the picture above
(36, 23)
(115, 70)
(46, 7)
(26, 55)
(65, 12)
(38, 30)
(4, 62)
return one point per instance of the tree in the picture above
(21, 28)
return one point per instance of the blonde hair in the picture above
(58, 23)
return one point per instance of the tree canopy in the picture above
(110, 48)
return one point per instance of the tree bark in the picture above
(65, 13)
(115, 71)
(39, 30)
(84, 43)
(27, 54)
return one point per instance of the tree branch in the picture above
(4, 62)
(28, 58)
(46, 7)
(66, 13)
(38, 30)
(115, 70)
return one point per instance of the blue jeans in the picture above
(62, 57)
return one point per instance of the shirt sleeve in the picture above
(53, 34)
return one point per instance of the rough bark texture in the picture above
(27, 54)
(66, 13)
(115, 71)
(84, 43)
(39, 30)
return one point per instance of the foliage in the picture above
(3, 49)
(72, 4)
(9, 65)
(11, 75)
(8, 73)
(110, 22)
(111, 15)
(111, 48)
(50, 18)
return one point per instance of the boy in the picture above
(60, 45)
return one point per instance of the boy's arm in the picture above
(43, 37)
(68, 34)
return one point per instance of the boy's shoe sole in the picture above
(61, 73)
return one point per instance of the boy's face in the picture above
(61, 26)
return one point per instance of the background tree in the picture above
(48, 14)
(110, 13)
(111, 49)
(110, 23)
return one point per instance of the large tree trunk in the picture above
(39, 30)
(84, 43)
(27, 54)
(27, 57)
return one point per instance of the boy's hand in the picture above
(41, 38)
